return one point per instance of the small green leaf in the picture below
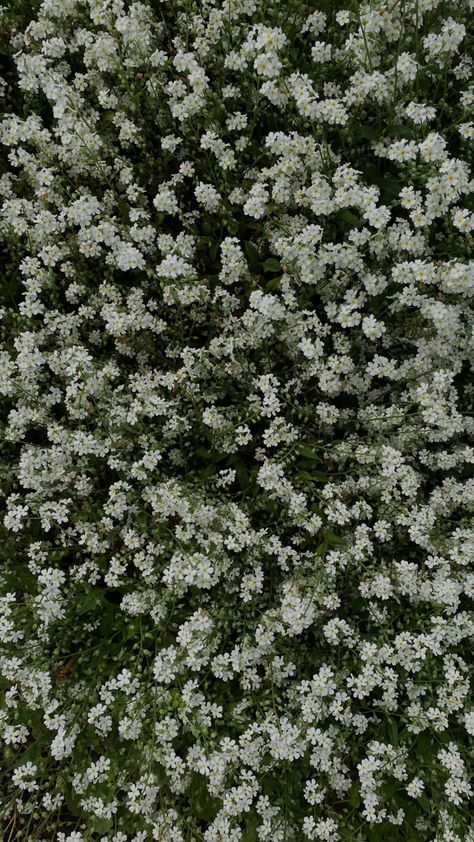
(251, 253)
(354, 795)
(33, 752)
(208, 472)
(272, 265)
(176, 698)
(88, 603)
(307, 451)
(232, 227)
(102, 825)
(425, 802)
(350, 219)
(272, 284)
(242, 474)
(393, 731)
(399, 130)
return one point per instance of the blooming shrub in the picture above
(237, 428)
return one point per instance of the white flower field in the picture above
(237, 421)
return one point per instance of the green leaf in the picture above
(424, 747)
(33, 752)
(176, 698)
(232, 227)
(102, 825)
(251, 253)
(311, 476)
(204, 806)
(354, 795)
(208, 472)
(242, 475)
(272, 265)
(72, 802)
(350, 220)
(88, 603)
(393, 731)
(391, 190)
(367, 133)
(250, 835)
(400, 130)
(307, 451)
(272, 284)
(211, 455)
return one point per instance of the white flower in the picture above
(207, 196)
(373, 328)
(267, 64)
(165, 201)
(256, 202)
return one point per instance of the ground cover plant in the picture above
(237, 470)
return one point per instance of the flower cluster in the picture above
(236, 363)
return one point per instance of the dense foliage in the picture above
(237, 421)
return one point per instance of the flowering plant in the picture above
(237, 430)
